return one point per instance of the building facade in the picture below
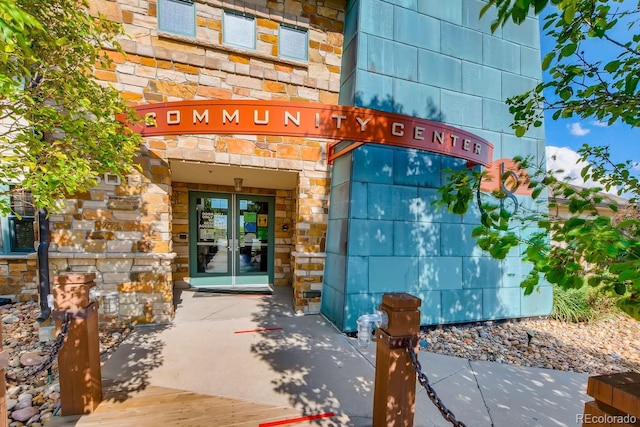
(250, 144)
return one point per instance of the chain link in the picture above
(424, 381)
(33, 371)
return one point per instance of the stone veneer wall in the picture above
(18, 278)
(126, 232)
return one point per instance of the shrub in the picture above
(580, 305)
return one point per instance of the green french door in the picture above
(231, 239)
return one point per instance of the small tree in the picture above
(59, 127)
(588, 247)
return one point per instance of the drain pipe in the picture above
(43, 265)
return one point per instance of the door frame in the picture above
(234, 278)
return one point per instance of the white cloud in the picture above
(565, 164)
(600, 124)
(576, 129)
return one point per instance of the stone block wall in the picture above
(18, 278)
(128, 232)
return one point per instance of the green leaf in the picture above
(620, 288)
(569, 49)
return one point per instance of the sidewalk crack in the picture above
(481, 394)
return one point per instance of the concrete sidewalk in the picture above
(303, 362)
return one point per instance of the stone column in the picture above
(395, 381)
(79, 358)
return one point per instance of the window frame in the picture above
(226, 13)
(191, 34)
(7, 231)
(306, 41)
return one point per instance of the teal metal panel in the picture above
(461, 42)
(341, 171)
(481, 80)
(471, 17)
(462, 305)
(429, 212)
(440, 273)
(416, 239)
(539, 303)
(408, 4)
(530, 62)
(339, 206)
(431, 308)
(392, 59)
(358, 304)
(461, 109)
(373, 164)
(501, 303)
(376, 17)
(527, 33)
(403, 202)
(439, 70)
(393, 274)
(450, 10)
(501, 54)
(457, 240)
(335, 271)
(370, 237)
(415, 29)
(417, 100)
(374, 91)
(380, 202)
(416, 168)
(498, 118)
(514, 271)
(481, 272)
(357, 274)
(359, 199)
(514, 84)
(337, 236)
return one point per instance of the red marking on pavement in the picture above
(296, 420)
(258, 330)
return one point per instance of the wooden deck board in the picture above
(156, 406)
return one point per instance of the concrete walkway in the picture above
(304, 363)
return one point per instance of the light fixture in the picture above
(237, 184)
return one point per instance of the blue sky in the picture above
(565, 136)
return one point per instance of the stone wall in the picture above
(18, 278)
(128, 232)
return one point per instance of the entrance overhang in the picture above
(206, 173)
(311, 120)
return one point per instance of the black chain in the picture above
(424, 381)
(33, 371)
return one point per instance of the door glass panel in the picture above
(253, 225)
(213, 234)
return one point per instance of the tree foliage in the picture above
(587, 245)
(59, 129)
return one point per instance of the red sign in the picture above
(359, 125)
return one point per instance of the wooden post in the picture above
(617, 400)
(79, 358)
(395, 381)
(4, 363)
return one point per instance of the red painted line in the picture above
(258, 330)
(296, 420)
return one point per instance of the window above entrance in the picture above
(239, 30)
(177, 17)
